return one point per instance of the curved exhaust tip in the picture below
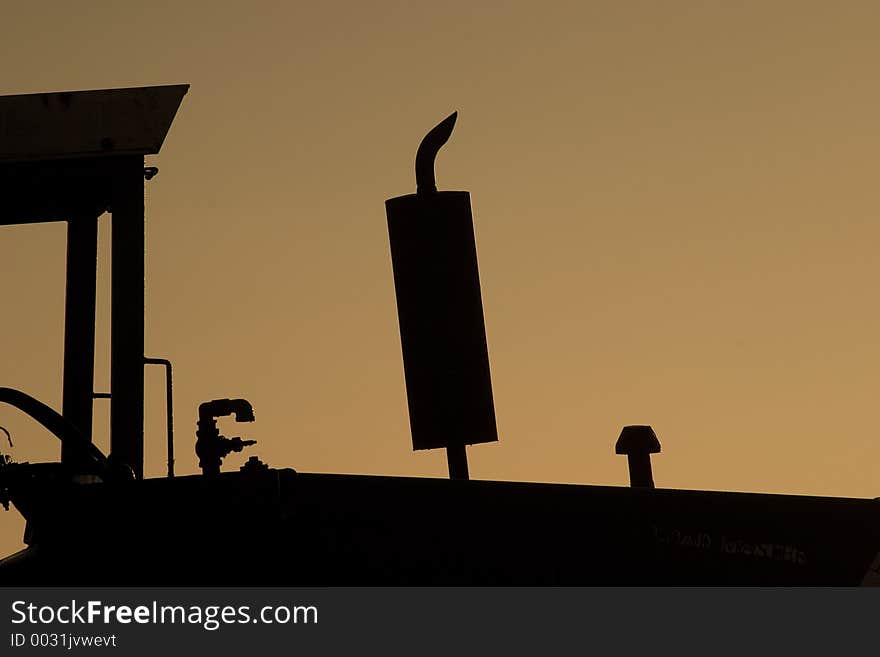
(427, 153)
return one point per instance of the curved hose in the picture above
(55, 423)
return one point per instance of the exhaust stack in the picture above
(440, 311)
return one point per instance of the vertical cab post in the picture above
(127, 315)
(79, 327)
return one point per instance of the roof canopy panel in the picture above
(87, 123)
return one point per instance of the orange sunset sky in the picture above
(675, 208)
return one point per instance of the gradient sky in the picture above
(675, 209)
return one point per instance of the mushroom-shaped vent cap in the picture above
(637, 439)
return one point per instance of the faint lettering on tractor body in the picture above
(729, 545)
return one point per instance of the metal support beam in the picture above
(79, 329)
(127, 316)
(169, 408)
(456, 459)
